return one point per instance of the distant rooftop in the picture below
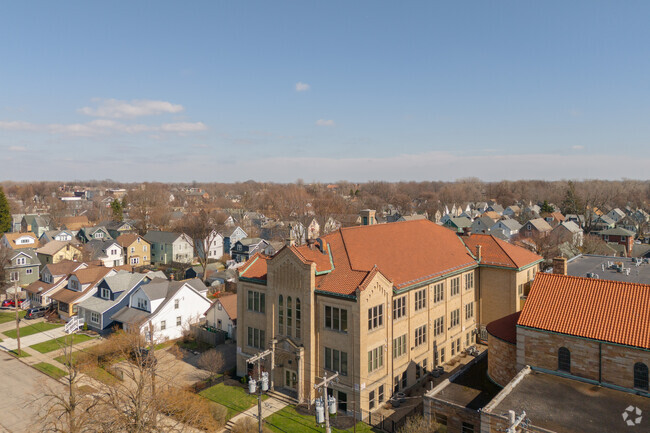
(565, 406)
(582, 265)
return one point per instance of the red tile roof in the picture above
(255, 267)
(602, 310)
(497, 252)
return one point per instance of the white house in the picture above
(222, 315)
(213, 244)
(165, 307)
(109, 252)
(508, 227)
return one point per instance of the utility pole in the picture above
(323, 386)
(258, 358)
(515, 420)
(18, 352)
(150, 363)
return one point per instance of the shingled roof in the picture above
(497, 252)
(598, 309)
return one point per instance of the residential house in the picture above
(352, 303)
(537, 227)
(87, 234)
(554, 363)
(246, 248)
(37, 224)
(117, 228)
(629, 222)
(313, 229)
(82, 284)
(470, 214)
(137, 251)
(553, 218)
(58, 251)
(75, 223)
(22, 268)
(231, 237)
(619, 236)
(18, 241)
(512, 211)
(482, 224)
(578, 219)
(109, 252)
(458, 224)
(508, 227)
(331, 225)
(113, 293)
(222, 315)
(54, 277)
(568, 231)
(616, 214)
(57, 235)
(213, 244)
(602, 222)
(170, 247)
(163, 309)
(496, 208)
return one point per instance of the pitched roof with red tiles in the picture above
(505, 328)
(497, 252)
(255, 267)
(602, 310)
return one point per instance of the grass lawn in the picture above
(57, 343)
(32, 329)
(287, 420)
(233, 398)
(51, 370)
(101, 375)
(7, 316)
(23, 354)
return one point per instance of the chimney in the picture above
(559, 265)
(467, 231)
(310, 243)
(478, 253)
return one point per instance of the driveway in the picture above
(19, 387)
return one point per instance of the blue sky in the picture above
(323, 91)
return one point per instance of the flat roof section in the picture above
(471, 389)
(583, 265)
(566, 405)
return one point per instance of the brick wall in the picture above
(502, 360)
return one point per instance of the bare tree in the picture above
(212, 361)
(202, 228)
(418, 424)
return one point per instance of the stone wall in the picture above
(502, 360)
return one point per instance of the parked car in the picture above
(36, 312)
(11, 303)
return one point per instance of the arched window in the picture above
(297, 317)
(289, 316)
(280, 315)
(641, 376)
(564, 359)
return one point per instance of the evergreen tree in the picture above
(116, 206)
(5, 213)
(571, 203)
(546, 207)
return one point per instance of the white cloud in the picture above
(17, 126)
(102, 127)
(117, 109)
(17, 149)
(325, 122)
(577, 147)
(302, 87)
(183, 127)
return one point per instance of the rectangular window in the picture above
(177, 303)
(375, 358)
(336, 319)
(256, 338)
(135, 260)
(142, 304)
(438, 292)
(399, 346)
(439, 326)
(404, 380)
(420, 335)
(335, 360)
(399, 307)
(455, 318)
(256, 301)
(179, 321)
(442, 355)
(455, 286)
(520, 289)
(106, 293)
(375, 317)
(469, 311)
(94, 317)
(163, 325)
(440, 418)
(469, 281)
(420, 299)
(29, 271)
(380, 394)
(467, 428)
(13, 276)
(371, 400)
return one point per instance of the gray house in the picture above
(168, 247)
(113, 293)
(87, 234)
(23, 267)
(246, 248)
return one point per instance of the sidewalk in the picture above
(269, 407)
(12, 343)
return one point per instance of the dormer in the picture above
(46, 276)
(104, 292)
(75, 284)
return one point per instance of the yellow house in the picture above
(58, 251)
(137, 251)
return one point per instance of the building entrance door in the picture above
(290, 379)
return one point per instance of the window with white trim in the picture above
(94, 317)
(179, 321)
(163, 325)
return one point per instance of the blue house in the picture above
(231, 237)
(113, 293)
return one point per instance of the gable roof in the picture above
(64, 267)
(540, 224)
(498, 252)
(54, 247)
(76, 222)
(617, 231)
(229, 304)
(127, 239)
(512, 224)
(13, 237)
(598, 309)
(160, 237)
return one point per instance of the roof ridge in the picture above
(504, 250)
(596, 280)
